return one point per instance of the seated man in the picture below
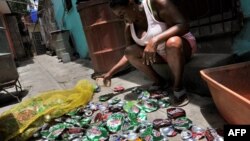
(159, 33)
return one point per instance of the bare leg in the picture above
(134, 55)
(178, 51)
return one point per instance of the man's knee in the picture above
(130, 51)
(174, 42)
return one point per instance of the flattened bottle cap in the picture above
(158, 123)
(168, 131)
(133, 137)
(88, 113)
(102, 107)
(119, 89)
(97, 133)
(114, 101)
(115, 122)
(198, 132)
(163, 103)
(186, 134)
(174, 113)
(218, 138)
(92, 106)
(144, 95)
(148, 105)
(182, 123)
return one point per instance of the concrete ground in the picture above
(44, 73)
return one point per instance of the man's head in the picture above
(125, 9)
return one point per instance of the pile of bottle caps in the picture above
(113, 119)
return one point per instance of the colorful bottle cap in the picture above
(218, 138)
(157, 136)
(163, 103)
(102, 107)
(96, 133)
(168, 131)
(106, 115)
(56, 130)
(182, 123)
(186, 134)
(159, 123)
(88, 113)
(92, 106)
(148, 105)
(114, 101)
(174, 113)
(212, 135)
(133, 137)
(73, 121)
(144, 95)
(146, 130)
(98, 117)
(74, 130)
(115, 122)
(85, 121)
(198, 132)
(136, 116)
(84, 138)
(128, 104)
(74, 136)
(156, 95)
(119, 89)
(115, 137)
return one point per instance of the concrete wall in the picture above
(70, 20)
(241, 45)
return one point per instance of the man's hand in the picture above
(106, 79)
(149, 54)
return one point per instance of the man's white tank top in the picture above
(154, 27)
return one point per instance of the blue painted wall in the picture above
(70, 20)
(245, 7)
(241, 44)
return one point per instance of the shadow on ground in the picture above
(208, 110)
(212, 116)
(24, 62)
(84, 63)
(7, 99)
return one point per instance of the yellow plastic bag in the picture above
(21, 121)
